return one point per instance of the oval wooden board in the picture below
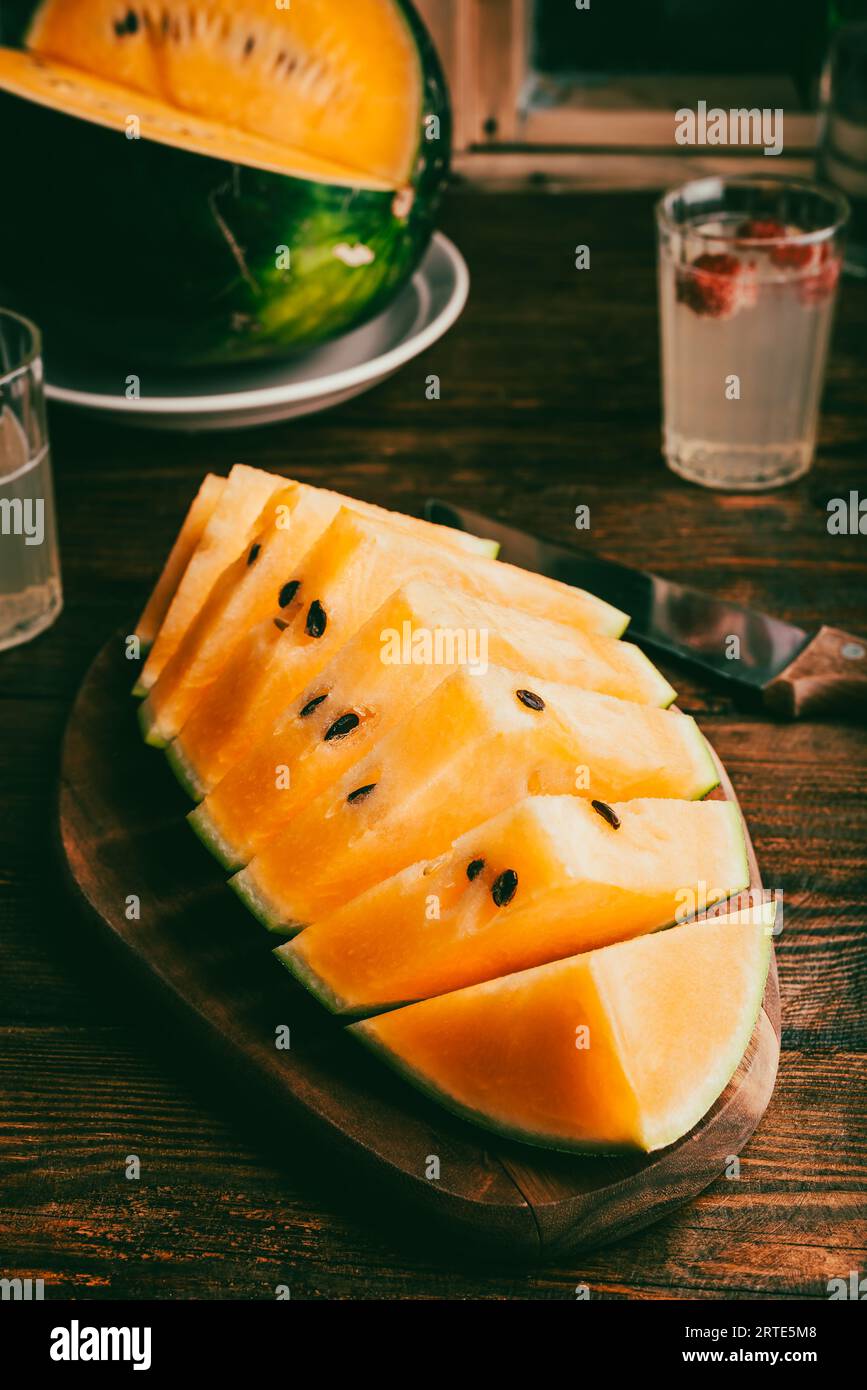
(122, 832)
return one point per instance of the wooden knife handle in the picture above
(828, 677)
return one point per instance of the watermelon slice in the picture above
(180, 554)
(546, 878)
(356, 563)
(261, 584)
(622, 1048)
(471, 748)
(411, 644)
(225, 535)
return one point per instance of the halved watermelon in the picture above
(186, 542)
(622, 1048)
(546, 878)
(472, 747)
(413, 642)
(226, 533)
(261, 583)
(300, 151)
(356, 563)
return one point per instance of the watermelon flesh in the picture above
(356, 563)
(261, 584)
(286, 75)
(471, 748)
(61, 86)
(226, 533)
(374, 680)
(626, 1047)
(181, 553)
(546, 878)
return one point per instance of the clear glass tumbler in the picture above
(748, 273)
(30, 592)
(842, 158)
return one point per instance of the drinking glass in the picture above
(30, 592)
(842, 157)
(748, 272)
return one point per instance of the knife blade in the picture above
(791, 670)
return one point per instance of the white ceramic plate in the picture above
(232, 398)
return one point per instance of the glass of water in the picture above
(748, 273)
(30, 592)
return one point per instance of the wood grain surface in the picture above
(549, 399)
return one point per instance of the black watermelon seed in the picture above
(474, 868)
(288, 592)
(280, 624)
(531, 700)
(342, 726)
(605, 811)
(316, 619)
(127, 25)
(311, 705)
(254, 552)
(361, 792)
(505, 887)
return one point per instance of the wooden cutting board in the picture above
(122, 831)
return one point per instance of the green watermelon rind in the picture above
(708, 777)
(741, 875)
(667, 694)
(146, 723)
(256, 902)
(488, 548)
(302, 972)
(183, 769)
(187, 303)
(214, 841)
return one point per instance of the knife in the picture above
(792, 672)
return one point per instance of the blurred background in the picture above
(544, 95)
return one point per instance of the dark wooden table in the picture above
(549, 399)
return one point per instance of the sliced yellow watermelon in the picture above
(356, 563)
(546, 878)
(419, 636)
(226, 534)
(622, 1048)
(472, 747)
(186, 542)
(261, 583)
